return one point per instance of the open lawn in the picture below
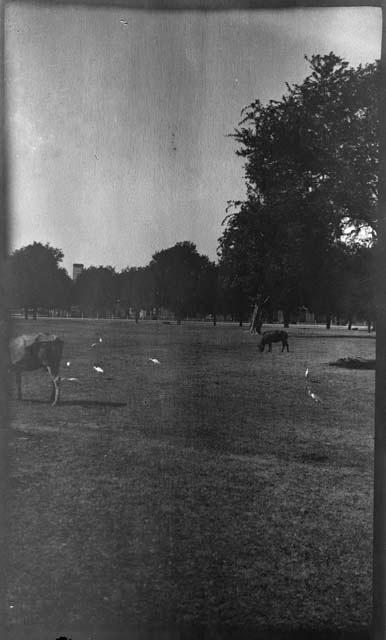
(207, 491)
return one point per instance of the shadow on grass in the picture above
(245, 633)
(333, 336)
(353, 363)
(77, 403)
(195, 633)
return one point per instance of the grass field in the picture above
(209, 491)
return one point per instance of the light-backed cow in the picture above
(37, 351)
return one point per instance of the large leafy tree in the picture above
(137, 289)
(207, 295)
(356, 285)
(179, 275)
(260, 257)
(97, 290)
(63, 291)
(311, 164)
(37, 280)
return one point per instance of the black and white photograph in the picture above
(192, 307)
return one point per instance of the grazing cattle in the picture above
(274, 336)
(37, 351)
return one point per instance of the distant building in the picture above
(77, 270)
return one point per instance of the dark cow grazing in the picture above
(274, 336)
(37, 351)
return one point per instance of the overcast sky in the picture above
(118, 118)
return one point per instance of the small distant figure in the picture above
(274, 336)
(37, 351)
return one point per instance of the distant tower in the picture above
(76, 270)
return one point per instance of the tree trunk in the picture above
(34, 313)
(257, 314)
(256, 322)
(254, 318)
(369, 326)
(286, 319)
(214, 319)
(25, 313)
(328, 321)
(349, 324)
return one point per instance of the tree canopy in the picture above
(311, 163)
(136, 286)
(183, 280)
(37, 280)
(96, 290)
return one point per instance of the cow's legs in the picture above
(55, 387)
(18, 383)
(284, 345)
(270, 347)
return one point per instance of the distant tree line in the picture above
(178, 279)
(303, 237)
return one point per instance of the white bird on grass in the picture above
(307, 375)
(154, 361)
(98, 369)
(314, 396)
